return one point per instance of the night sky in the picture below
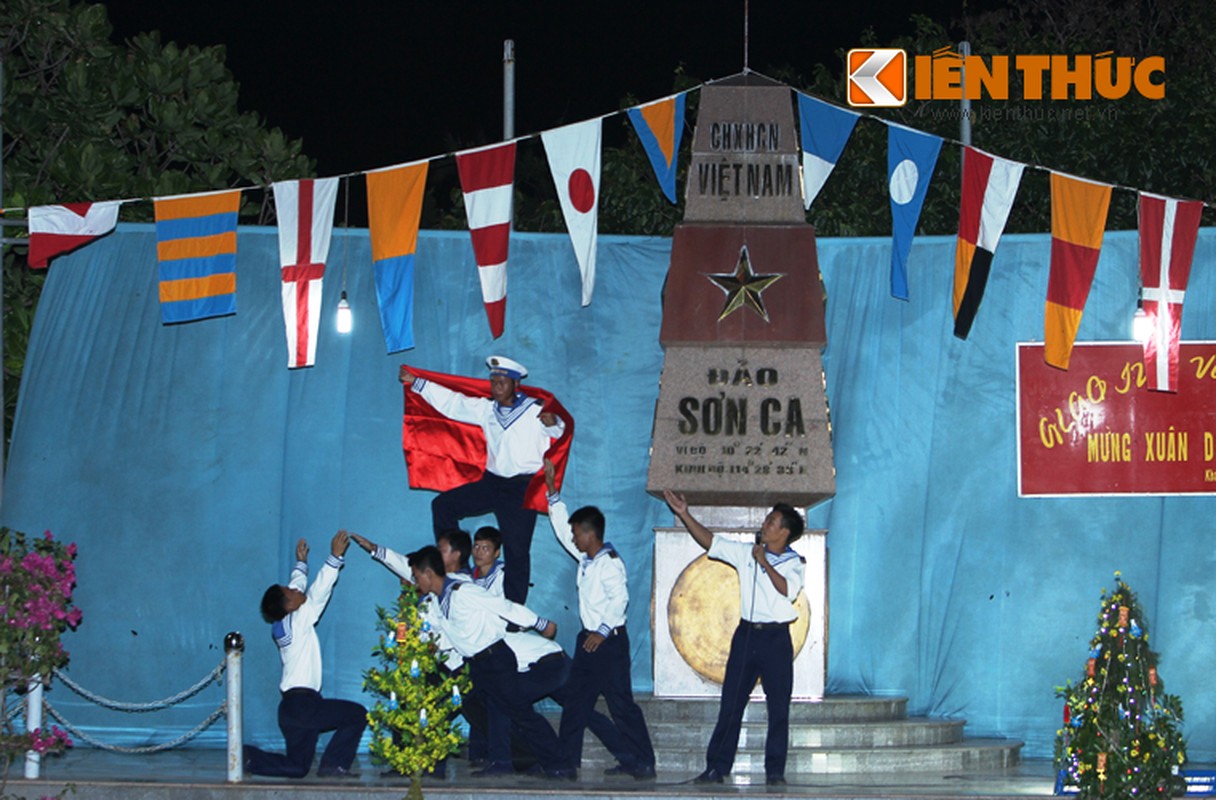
(370, 84)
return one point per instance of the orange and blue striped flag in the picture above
(659, 125)
(196, 248)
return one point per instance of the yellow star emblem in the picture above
(743, 287)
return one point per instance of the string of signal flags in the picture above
(196, 233)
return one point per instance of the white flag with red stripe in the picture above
(57, 229)
(574, 160)
(487, 178)
(306, 221)
(1168, 229)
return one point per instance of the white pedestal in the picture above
(674, 550)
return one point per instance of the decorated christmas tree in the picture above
(413, 720)
(1122, 733)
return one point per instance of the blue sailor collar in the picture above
(507, 415)
(776, 559)
(606, 551)
(450, 585)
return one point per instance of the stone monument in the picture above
(742, 418)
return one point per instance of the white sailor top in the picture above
(492, 580)
(473, 619)
(530, 647)
(603, 587)
(428, 608)
(296, 634)
(769, 605)
(516, 439)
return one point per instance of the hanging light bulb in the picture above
(344, 315)
(1142, 327)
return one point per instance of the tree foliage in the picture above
(1122, 733)
(86, 119)
(414, 722)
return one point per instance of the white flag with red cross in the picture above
(306, 221)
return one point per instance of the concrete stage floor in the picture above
(200, 774)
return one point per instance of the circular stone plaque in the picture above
(703, 612)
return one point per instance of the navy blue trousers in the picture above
(495, 674)
(505, 498)
(606, 672)
(766, 653)
(303, 716)
(550, 677)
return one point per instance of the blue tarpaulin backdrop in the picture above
(186, 460)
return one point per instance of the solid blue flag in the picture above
(911, 157)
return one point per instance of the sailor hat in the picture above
(501, 365)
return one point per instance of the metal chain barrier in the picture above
(153, 748)
(155, 705)
(234, 644)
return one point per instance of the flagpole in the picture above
(964, 103)
(508, 89)
(746, 17)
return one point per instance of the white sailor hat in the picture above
(501, 365)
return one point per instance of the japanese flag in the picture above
(574, 160)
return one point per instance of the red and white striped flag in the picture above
(57, 229)
(306, 221)
(574, 160)
(487, 178)
(1168, 229)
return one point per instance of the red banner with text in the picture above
(1096, 428)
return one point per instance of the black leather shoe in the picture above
(492, 769)
(775, 780)
(335, 772)
(562, 774)
(710, 775)
(619, 769)
(643, 772)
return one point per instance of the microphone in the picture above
(759, 537)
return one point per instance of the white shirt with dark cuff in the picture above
(296, 634)
(399, 565)
(473, 619)
(759, 600)
(516, 439)
(603, 587)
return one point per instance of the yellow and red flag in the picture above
(1078, 218)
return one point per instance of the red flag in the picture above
(487, 178)
(57, 229)
(441, 453)
(1168, 229)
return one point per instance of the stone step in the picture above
(840, 734)
(835, 708)
(896, 733)
(969, 755)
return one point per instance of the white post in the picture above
(234, 644)
(33, 722)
